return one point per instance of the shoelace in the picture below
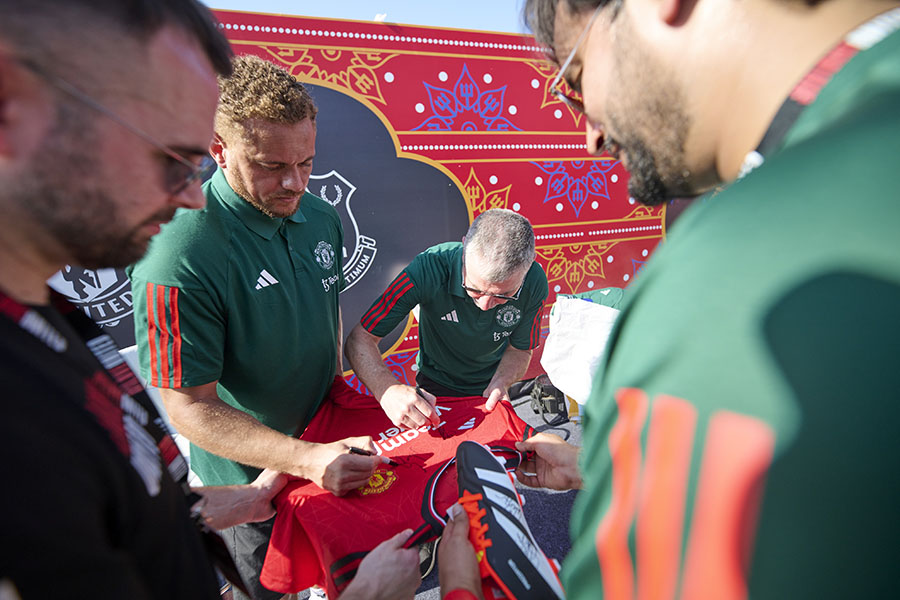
(477, 529)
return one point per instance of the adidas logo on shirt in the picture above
(265, 280)
(467, 425)
(451, 316)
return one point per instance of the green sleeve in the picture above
(180, 334)
(527, 334)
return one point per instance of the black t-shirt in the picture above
(89, 510)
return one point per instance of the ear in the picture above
(26, 109)
(217, 150)
(6, 103)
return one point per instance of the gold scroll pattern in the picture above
(480, 199)
(354, 71)
(547, 73)
(569, 266)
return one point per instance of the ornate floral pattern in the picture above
(576, 181)
(466, 107)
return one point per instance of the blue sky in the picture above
(485, 15)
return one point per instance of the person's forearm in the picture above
(365, 359)
(513, 365)
(228, 505)
(228, 432)
(225, 506)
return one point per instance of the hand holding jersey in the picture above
(198, 412)
(407, 406)
(388, 572)
(495, 393)
(550, 462)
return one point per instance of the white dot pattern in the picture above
(598, 232)
(438, 41)
(425, 147)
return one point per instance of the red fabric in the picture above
(319, 538)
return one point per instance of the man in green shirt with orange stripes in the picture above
(742, 439)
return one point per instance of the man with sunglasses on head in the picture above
(480, 305)
(742, 440)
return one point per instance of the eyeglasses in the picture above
(180, 172)
(573, 101)
(479, 293)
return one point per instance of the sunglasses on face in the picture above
(476, 293)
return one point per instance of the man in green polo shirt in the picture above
(236, 305)
(742, 441)
(480, 305)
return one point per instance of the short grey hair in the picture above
(504, 240)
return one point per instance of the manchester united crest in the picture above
(324, 255)
(103, 294)
(508, 316)
(378, 483)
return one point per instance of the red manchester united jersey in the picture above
(319, 538)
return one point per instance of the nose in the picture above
(295, 180)
(487, 302)
(593, 137)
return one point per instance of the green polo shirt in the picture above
(460, 345)
(229, 294)
(750, 389)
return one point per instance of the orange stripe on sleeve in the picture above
(736, 458)
(151, 337)
(163, 335)
(612, 534)
(660, 523)
(176, 337)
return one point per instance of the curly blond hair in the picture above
(259, 89)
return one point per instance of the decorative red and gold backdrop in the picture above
(420, 130)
